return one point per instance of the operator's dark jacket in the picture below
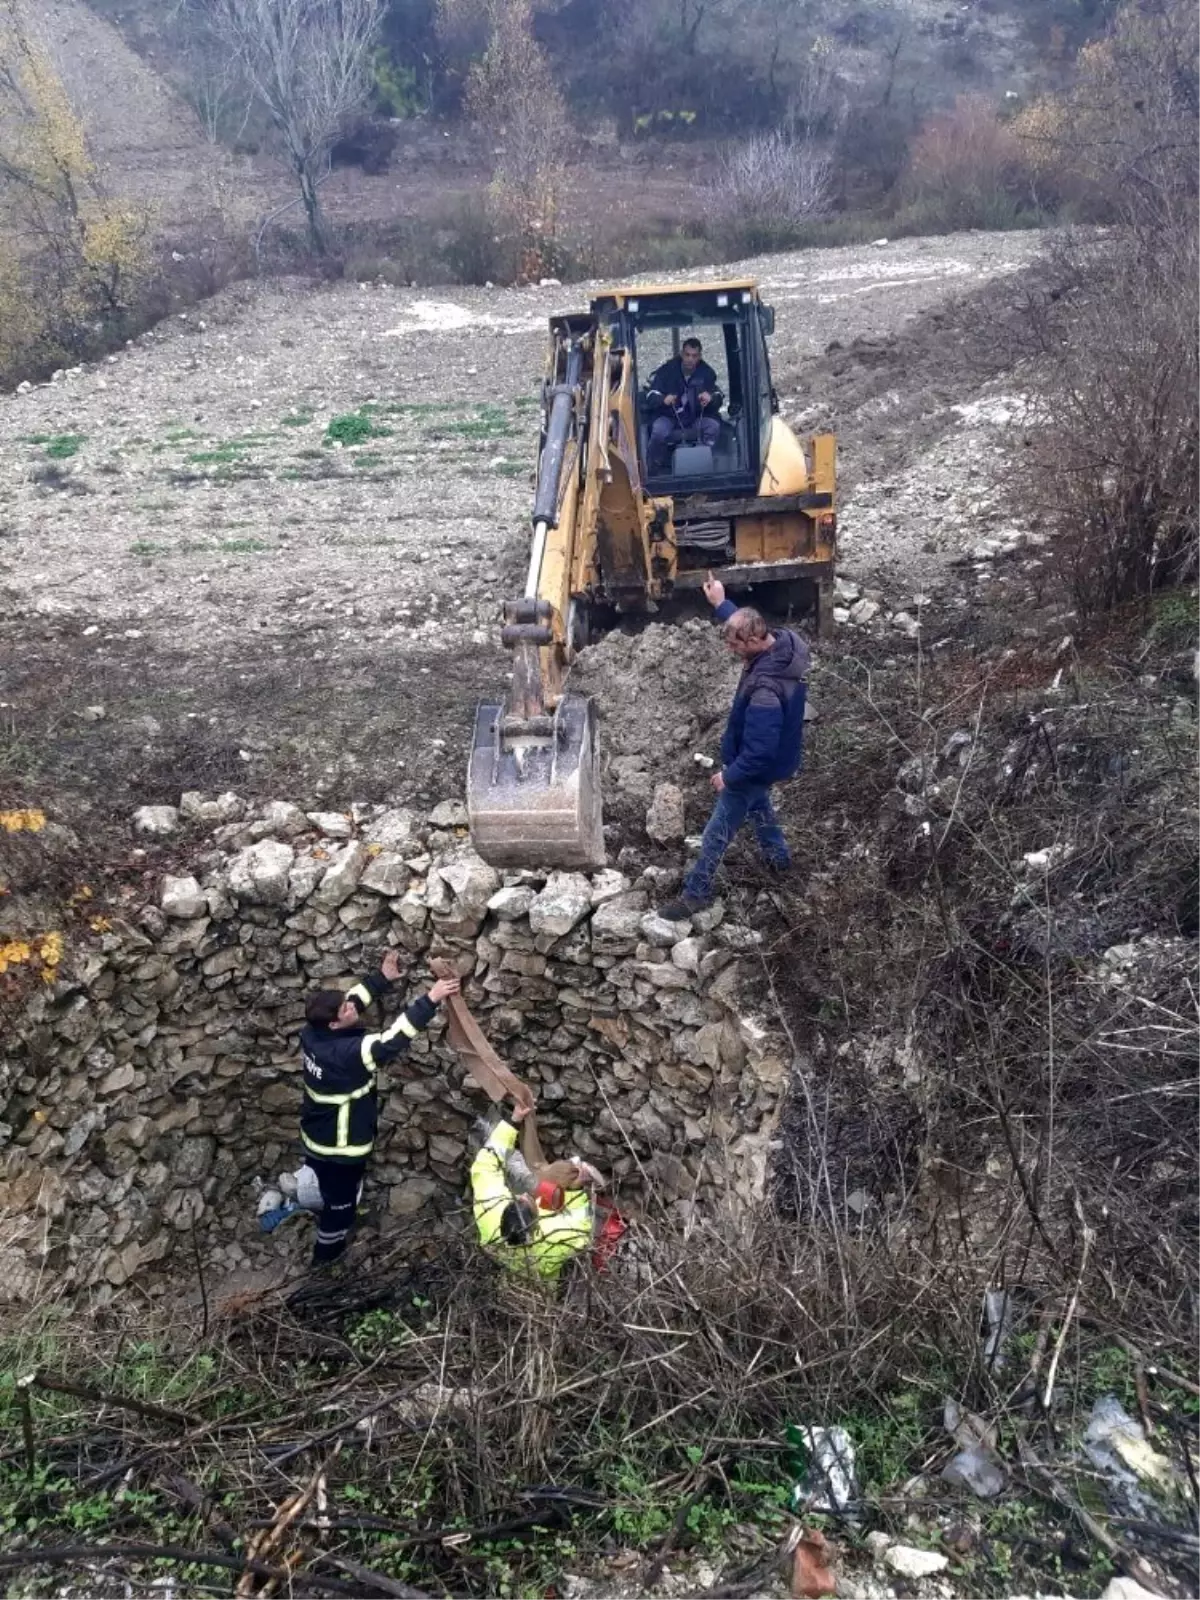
(341, 1107)
(764, 737)
(670, 379)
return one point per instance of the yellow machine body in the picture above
(621, 523)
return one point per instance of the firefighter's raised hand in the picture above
(390, 966)
(714, 590)
(443, 988)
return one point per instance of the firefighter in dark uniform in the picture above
(341, 1105)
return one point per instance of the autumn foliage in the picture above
(968, 169)
(72, 255)
(514, 101)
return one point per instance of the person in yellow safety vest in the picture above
(513, 1228)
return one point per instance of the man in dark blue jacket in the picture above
(761, 745)
(341, 1102)
(685, 394)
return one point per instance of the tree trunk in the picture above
(317, 234)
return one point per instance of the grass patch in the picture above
(147, 548)
(223, 455)
(64, 445)
(242, 547)
(353, 427)
(1173, 614)
(369, 458)
(296, 419)
(491, 422)
(411, 408)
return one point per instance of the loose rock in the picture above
(155, 822)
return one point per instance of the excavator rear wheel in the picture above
(587, 621)
(789, 601)
(579, 628)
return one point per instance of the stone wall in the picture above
(149, 1087)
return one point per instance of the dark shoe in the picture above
(329, 1271)
(682, 908)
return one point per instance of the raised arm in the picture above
(394, 1041)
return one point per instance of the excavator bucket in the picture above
(535, 802)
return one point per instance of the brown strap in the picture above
(498, 1081)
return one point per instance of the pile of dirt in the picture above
(661, 695)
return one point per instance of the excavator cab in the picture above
(729, 323)
(627, 512)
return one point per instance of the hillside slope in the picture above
(203, 556)
(146, 138)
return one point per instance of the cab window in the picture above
(656, 342)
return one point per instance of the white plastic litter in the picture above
(1117, 1444)
(308, 1190)
(268, 1200)
(829, 1483)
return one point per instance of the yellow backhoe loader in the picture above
(625, 515)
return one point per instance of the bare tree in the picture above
(767, 186)
(308, 62)
(1125, 131)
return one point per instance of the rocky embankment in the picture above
(155, 1083)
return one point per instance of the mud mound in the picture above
(662, 695)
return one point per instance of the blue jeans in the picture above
(733, 807)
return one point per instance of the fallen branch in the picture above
(196, 1500)
(1088, 1236)
(1176, 1379)
(755, 1581)
(1153, 1530)
(27, 1427)
(377, 1580)
(57, 1554)
(278, 1459)
(653, 1571)
(145, 1408)
(1042, 1479)
(270, 1541)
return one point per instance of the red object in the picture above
(611, 1231)
(812, 1566)
(549, 1197)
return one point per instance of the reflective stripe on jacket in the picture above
(559, 1234)
(341, 1107)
